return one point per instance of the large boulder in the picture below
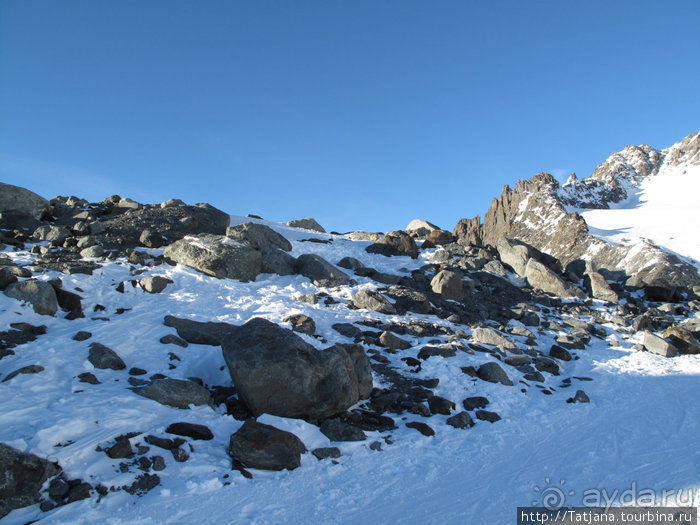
(276, 372)
(514, 254)
(256, 445)
(395, 243)
(658, 345)
(448, 284)
(217, 255)
(489, 336)
(599, 288)
(275, 260)
(320, 271)
(306, 224)
(15, 198)
(40, 294)
(542, 278)
(21, 478)
(258, 236)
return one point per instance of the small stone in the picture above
(460, 420)
(105, 358)
(180, 455)
(440, 405)
(485, 415)
(337, 430)
(58, 489)
(191, 430)
(88, 377)
(157, 463)
(172, 339)
(421, 427)
(82, 336)
(137, 371)
(326, 452)
(301, 323)
(31, 369)
(471, 403)
(121, 449)
(579, 397)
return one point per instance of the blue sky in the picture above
(363, 114)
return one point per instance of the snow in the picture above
(641, 428)
(663, 210)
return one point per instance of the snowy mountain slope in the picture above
(475, 475)
(643, 194)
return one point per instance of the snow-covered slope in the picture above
(643, 194)
(640, 430)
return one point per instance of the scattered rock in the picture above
(191, 430)
(460, 420)
(88, 377)
(542, 278)
(320, 271)
(171, 339)
(389, 340)
(421, 427)
(121, 449)
(485, 415)
(175, 393)
(347, 329)
(105, 358)
(560, 353)
(471, 403)
(493, 373)
(419, 228)
(350, 263)
(143, 484)
(302, 323)
(579, 397)
(490, 336)
(440, 405)
(370, 300)
(31, 369)
(337, 430)
(599, 288)
(395, 243)
(258, 236)
(154, 283)
(683, 339)
(326, 452)
(265, 447)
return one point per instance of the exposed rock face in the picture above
(40, 294)
(468, 231)
(258, 236)
(21, 478)
(217, 256)
(16, 199)
(277, 372)
(320, 271)
(533, 212)
(265, 447)
(306, 224)
(395, 243)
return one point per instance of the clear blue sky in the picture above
(363, 114)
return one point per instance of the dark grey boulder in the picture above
(6, 278)
(277, 372)
(350, 263)
(16, 198)
(421, 427)
(320, 271)
(31, 369)
(151, 239)
(579, 397)
(217, 255)
(258, 236)
(347, 330)
(440, 405)
(337, 430)
(395, 243)
(40, 294)
(460, 420)
(493, 373)
(70, 302)
(277, 261)
(21, 478)
(199, 333)
(105, 358)
(371, 300)
(560, 353)
(175, 393)
(392, 341)
(256, 445)
(545, 364)
(409, 300)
